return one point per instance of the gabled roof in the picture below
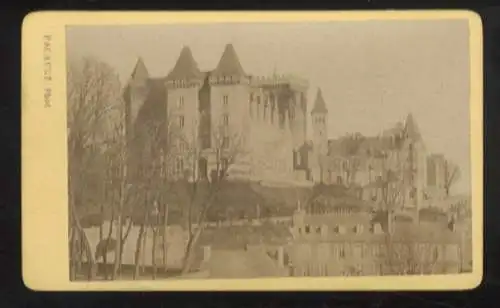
(319, 104)
(186, 67)
(229, 64)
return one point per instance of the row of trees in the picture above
(120, 172)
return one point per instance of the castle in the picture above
(226, 113)
(222, 111)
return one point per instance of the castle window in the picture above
(308, 229)
(341, 252)
(225, 100)
(180, 102)
(225, 120)
(358, 229)
(181, 121)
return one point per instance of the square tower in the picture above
(183, 85)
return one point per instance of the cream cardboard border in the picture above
(44, 158)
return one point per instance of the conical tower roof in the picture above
(411, 128)
(186, 67)
(319, 104)
(229, 64)
(140, 71)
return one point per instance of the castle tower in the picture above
(134, 96)
(136, 93)
(319, 115)
(229, 95)
(183, 84)
(415, 164)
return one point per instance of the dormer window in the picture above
(339, 229)
(358, 229)
(339, 179)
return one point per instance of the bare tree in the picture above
(157, 139)
(405, 255)
(451, 176)
(227, 147)
(92, 89)
(402, 254)
(124, 188)
(122, 197)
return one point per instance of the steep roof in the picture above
(411, 128)
(186, 67)
(319, 104)
(229, 64)
(140, 72)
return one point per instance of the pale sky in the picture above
(372, 73)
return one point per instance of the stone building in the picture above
(206, 120)
(353, 241)
(218, 112)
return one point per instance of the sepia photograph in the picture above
(245, 151)
(251, 150)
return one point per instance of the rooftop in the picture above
(229, 64)
(319, 104)
(186, 67)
